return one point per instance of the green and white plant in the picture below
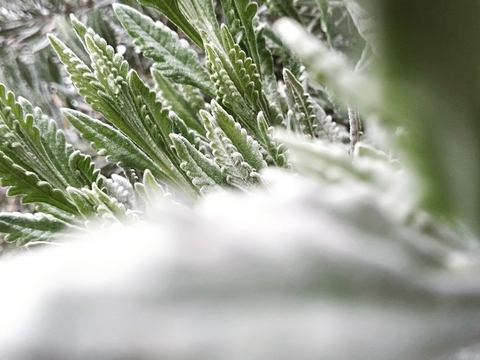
(204, 121)
(247, 179)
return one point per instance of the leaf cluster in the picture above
(202, 121)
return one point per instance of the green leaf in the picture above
(325, 18)
(243, 24)
(228, 94)
(199, 142)
(27, 228)
(201, 14)
(246, 12)
(173, 57)
(148, 122)
(269, 80)
(173, 98)
(36, 160)
(33, 141)
(305, 115)
(80, 74)
(96, 203)
(238, 84)
(283, 8)
(154, 123)
(150, 191)
(280, 50)
(111, 69)
(247, 78)
(276, 151)
(116, 146)
(31, 187)
(245, 144)
(300, 105)
(131, 106)
(206, 176)
(171, 10)
(239, 172)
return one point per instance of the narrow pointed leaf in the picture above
(204, 173)
(173, 57)
(173, 98)
(237, 171)
(170, 9)
(26, 228)
(28, 185)
(276, 151)
(246, 145)
(112, 143)
(150, 191)
(300, 104)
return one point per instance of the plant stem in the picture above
(355, 127)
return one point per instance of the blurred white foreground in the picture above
(300, 274)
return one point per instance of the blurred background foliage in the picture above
(28, 65)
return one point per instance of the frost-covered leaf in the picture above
(329, 163)
(363, 150)
(267, 66)
(131, 106)
(238, 83)
(114, 145)
(172, 57)
(247, 31)
(121, 189)
(172, 11)
(172, 97)
(238, 171)
(298, 272)
(283, 8)
(95, 203)
(325, 17)
(227, 91)
(245, 11)
(26, 228)
(204, 173)
(245, 144)
(277, 47)
(33, 141)
(276, 150)
(32, 189)
(201, 14)
(80, 73)
(300, 105)
(200, 142)
(36, 160)
(150, 191)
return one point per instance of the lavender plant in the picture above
(202, 122)
(271, 187)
